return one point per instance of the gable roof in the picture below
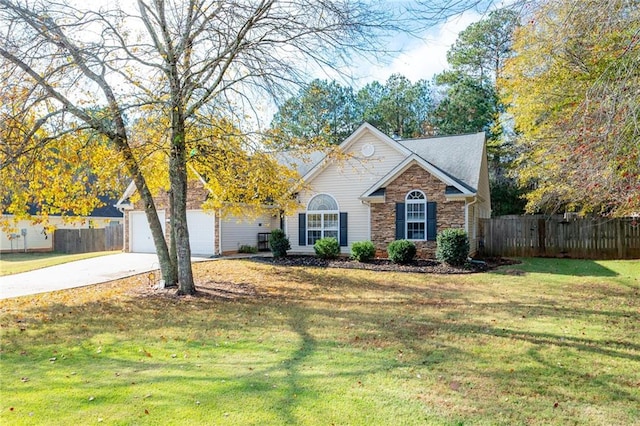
(302, 163)
(455, 160)
(458, 156)
(344, 146)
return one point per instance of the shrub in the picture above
(327, 248)
(363, 251)
(401, 251)
(453, 246)
(248, 249)
(279, 243)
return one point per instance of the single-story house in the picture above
(380, 189)
(34, 236)
(386, 189)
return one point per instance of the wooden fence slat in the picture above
(88, 240)
(537, 235)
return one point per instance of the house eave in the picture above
(405, 165)
(379, 199)
(460, 197)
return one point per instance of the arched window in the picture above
(416, 215)
(322, 218)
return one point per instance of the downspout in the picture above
(125, 224)
(368, 204)
(466, 219)
(219, 233)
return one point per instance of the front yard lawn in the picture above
(14, 263)
(543, 342)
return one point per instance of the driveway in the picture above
(79, 273)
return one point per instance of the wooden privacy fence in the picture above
(555, 236)
(88, 240)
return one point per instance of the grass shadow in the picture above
(572, 267)
(291, 340)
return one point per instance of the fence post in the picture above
(620, 240)
(542, 236)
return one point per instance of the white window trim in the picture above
(322, 214)
(407, 202)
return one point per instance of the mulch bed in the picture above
(213, 289)
(419, 266)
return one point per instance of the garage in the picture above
(140, 233)
(201, 232)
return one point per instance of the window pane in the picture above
(415, 211)
(415, 195)
(415, 231)
(313, 236)
(314, 221)
(322, 202)
(331, 221)
(333, 234)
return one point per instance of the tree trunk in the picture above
(173, 253)
(167, 267)
(178, 178)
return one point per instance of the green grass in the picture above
(544, 342)
(14, 263)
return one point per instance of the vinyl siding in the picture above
(346, 181)
(237, 231)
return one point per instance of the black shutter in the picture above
(399, 221)
(432, 226)
(302, 229)
(343, 230)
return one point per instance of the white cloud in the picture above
(420, 58)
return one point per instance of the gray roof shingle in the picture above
(458, 156)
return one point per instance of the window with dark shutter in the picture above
(302, 229)
(432, 224)
(344, 241)
(399, 221)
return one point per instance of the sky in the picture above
(420, 58)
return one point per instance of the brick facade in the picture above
(449, 214)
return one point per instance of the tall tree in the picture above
(398, 108)
(481, 49)
(180, 56)
(322, 109)
(574, 89)
(471, 101)
(468, 106)
(330, 112)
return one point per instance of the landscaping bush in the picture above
(327, 248)
(279, 243)
(363, 251)
(248, 249)
(401, 251)
(453, 246)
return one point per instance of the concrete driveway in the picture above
(79, 273)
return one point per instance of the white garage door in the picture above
(201, 232)
(141, 239)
